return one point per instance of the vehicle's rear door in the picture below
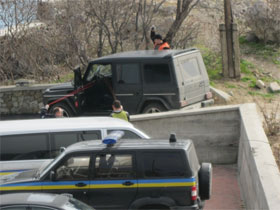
(128, 85)
(113, 184)
(165, 174)
(192, 78)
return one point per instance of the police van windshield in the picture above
(46, 165)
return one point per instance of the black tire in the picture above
(205, 181)
(155, 207)
(67, 112)
(154, 108)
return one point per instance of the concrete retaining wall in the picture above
(21, 100)
(227, 134)
(215, 131)
(259, 176)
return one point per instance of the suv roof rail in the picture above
(179, 52)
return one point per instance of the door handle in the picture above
(128, 183)
(80, 184)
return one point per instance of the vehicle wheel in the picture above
(205, 181)
(67, 112)
(154, 108)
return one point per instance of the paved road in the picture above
(225, 191)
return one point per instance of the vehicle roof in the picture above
(149, 144)
(145, 54)
(10, 127)
(52, 200)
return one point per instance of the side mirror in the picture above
(77, 77)
(52, 176)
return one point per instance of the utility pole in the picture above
(228, 24)
(230, 44)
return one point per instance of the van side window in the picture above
(89, 135)
(190, 67)
(127, 134)
(156, 73)
(128, 73)
(163, 164)
(62, 140)
(114, 166)
(24, 147)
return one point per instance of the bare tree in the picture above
(16, 17)
(183, 9)
(145, 11)
(113, 19)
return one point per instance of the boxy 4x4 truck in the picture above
(144, 82)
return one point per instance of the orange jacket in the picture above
(163, 46)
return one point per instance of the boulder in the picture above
(260, 84)
(274, 87)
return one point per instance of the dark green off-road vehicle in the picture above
(144, 82)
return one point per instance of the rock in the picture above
(274, 87)
(231, 93)
(4, 110)
(260, 84)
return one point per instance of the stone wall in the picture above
(21, 99)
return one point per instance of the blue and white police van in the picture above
(128, 174)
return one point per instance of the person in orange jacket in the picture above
(159, 43)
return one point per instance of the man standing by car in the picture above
(118, 111)
(57, 112)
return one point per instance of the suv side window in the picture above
(98, 69)
(127, 134)
(73, 168)
(163, 164)
(128, 73)
(24, 147)
(156, 73)
(114, 166)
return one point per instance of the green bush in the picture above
(213, 63)
(270, 52)
(265, 95)
(246, 67)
